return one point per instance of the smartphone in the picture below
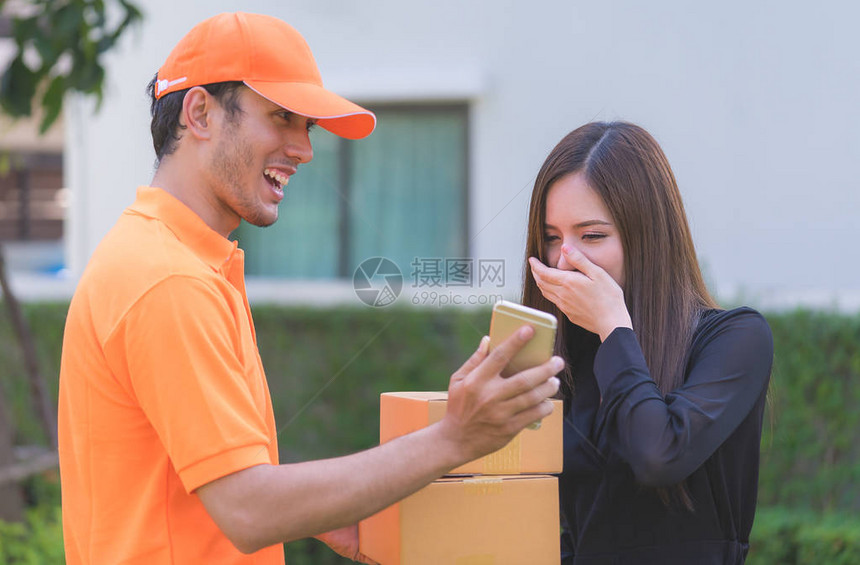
(507, 318)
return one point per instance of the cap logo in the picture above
(165, 84)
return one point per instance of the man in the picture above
(168, 449)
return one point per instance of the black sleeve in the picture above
(665, 439)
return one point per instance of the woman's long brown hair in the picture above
(663, 286)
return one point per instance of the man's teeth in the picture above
(277, 176)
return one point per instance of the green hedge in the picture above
(38, 539)
(788, 536)
(810, 452)
(46, 322)
(327, 367)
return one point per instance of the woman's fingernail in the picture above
(557, 364)
(526, 332)
(484, 345)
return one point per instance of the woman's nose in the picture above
(562, 263)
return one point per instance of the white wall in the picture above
(755, 105)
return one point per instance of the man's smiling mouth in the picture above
(276, 178)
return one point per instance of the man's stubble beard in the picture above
(229, 163)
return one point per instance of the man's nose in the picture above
(298, 148)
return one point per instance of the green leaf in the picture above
(75, 28)
(52, 102)
(87, 73)
(17, 88)
(24, 29)
(88, 49)
(48, 50)
(132, 16)
(132, 13)
(67, 21)
(105, 43)
(98, 7)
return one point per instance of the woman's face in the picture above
(577, 216)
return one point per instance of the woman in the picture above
(664, 392)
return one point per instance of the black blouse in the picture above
(623, 439)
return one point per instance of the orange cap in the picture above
(271, 58)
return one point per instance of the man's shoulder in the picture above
(143, 250)
(136, 255)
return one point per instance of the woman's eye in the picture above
(550, 238)
(592, 236)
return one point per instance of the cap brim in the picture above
(332, 112)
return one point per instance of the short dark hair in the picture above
(165, 112)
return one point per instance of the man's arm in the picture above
(269, 504)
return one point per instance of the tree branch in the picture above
(38, 391)
(36, 464)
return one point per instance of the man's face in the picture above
(257, 150)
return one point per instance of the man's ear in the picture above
(198, 110)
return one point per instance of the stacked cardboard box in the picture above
(497, 510)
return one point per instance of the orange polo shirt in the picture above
(161, 391)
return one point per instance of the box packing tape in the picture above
(482, 486)
(476, 560)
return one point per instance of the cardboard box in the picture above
(531, 451)
(496, 520)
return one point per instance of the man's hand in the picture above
(485, 411)
(344, 542)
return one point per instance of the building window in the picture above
(32, 203)
(400, 193)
